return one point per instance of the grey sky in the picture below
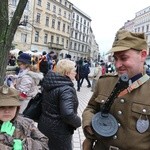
(108, 16)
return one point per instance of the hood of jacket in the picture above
(36, 76)
(53, 80)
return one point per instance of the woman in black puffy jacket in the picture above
(59, 116)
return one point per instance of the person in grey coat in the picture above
(59, 116)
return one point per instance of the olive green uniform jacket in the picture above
(127, 110)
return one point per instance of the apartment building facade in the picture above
(94, 47)
(141, 23)
(54, 25)
(22, 38)
(79, 36)
(51, 21)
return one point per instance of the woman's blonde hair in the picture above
(64, 66)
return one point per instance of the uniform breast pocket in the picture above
(139, 112)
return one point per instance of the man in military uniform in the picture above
(126, 126)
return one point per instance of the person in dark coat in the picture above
(78, 76)
(84, 73)
(59, 116)
(43, 65)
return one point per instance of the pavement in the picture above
(83, 96)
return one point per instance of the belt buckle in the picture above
(113, 148)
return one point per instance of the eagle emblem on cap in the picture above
(5, 89)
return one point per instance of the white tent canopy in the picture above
(15, 52)
(33, 53)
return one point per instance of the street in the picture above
(83, 97)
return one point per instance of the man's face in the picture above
(130, 62)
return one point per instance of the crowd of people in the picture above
(116, 116)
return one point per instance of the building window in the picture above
(48, 5)
(59, 11)
(54, 8)
(57, 40)
(83, 38)
(79, 47)
(64, 27)
(65, 14)
(25, 19)
(147, 28)
(47, 21)
(142, 28)
(38, 16)
(77, 18)
(53, 23)
(39, 2)
(62, 41)
(52, 38)
(45, 38)
(14, 2)
(75, 46)
(80, 36)
(76, 35)
(68, 29)
(88, 24)
(66, 43)
(71, 33)
(69, 17)
(84, 22)
(11, 15)
(70, 6)
(65, 3)
(80, 27)
(23, 38)
(70, 45)
(82, 48)
(36, 36)
(73, 15)
(84, 30)
(58, 26)
(76, 25)
(72, 24)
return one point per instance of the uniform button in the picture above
(144, 110)
(122, 100)
(102, 101)
(115, 137)
(119, 112)
(119, 124)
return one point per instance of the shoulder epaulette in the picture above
(109, 75)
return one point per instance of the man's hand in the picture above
(89, 130)
(7, 127)
(17, 144)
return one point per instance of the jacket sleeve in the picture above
(25, 84)
(5, 147)
(36, 140)
(68, 109)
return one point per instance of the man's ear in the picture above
(144, 54)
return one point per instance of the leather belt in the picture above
(113, 148)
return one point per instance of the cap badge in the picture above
(5, 89)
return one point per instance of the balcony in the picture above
(55, 46)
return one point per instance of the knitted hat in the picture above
(25, 58)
